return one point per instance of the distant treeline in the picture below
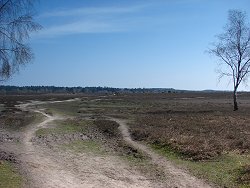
(77, 90)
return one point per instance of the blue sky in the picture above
(127, 43)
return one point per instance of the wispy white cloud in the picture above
(93, 11)
(79, 27)
(89, 20)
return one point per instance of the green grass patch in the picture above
(9, 176)
(106, 106)
(86, 146)
(224, 170)
(65, 126)
(63, 108)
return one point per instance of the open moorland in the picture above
(191, 139)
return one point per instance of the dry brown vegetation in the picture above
(197, 135)
(198, 128)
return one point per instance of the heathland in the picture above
(191, 139)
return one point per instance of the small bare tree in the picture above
(16, 24)
(233, 50)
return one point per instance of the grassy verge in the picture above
(225, 170)
(9, 176)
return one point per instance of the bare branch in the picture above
(16, 24)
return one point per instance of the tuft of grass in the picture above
(244, 177)
(224, 170)
(86, 146)
(132, 154)
(9, 176)
(141, 162)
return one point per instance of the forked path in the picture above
(176, 176)
(54, 168)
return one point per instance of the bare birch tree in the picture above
(233, 50)
(16, 24)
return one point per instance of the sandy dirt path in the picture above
(177, 177)
(54, 168)
(40, 167)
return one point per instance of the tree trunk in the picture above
(235, 100)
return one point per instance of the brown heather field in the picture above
(198, 127)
